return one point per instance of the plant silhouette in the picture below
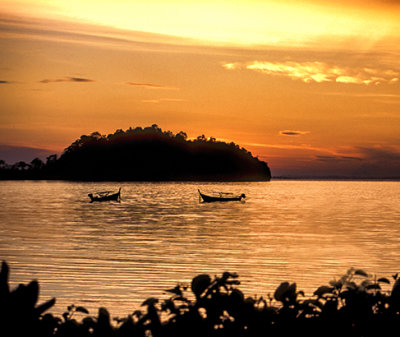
(354, 305)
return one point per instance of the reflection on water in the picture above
(118, 254)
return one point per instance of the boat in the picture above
(105, 196)
(221, 196)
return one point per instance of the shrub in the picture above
(354, 305)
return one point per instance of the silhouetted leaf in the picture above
(396, 289)
(150, 301)
(176, 290)
(32, 293)
(281, 291)
(383, 280)
(40, 309)
(226, 275)
(104, 316)
(322, 290)
(360, 272)
(4, 288)
(82, 309)
(200, 283)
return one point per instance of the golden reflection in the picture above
(117, 255)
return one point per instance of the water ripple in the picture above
(118, 254)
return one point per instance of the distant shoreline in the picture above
(336, 178)
(138, 181)
(395, 179)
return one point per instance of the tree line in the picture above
(144, 154)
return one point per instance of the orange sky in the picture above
(312, 88)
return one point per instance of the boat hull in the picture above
(110, 197)
(209, 198)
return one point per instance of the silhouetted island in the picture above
(145, 154)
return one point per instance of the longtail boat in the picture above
(105, 196)
(221, 196)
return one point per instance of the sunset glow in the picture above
(310, 87)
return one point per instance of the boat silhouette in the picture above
(221, 196)
(105, 196)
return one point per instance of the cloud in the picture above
(67, 79)
(12, 154)
(320, 72)
(232, 66)
(4, 82)
(363, 3)
(381, 153)
(350, 79)
(293, 133)
(151, 86)
(366, 162)
(337, 158)
(45, 29)
(160, 100)
(79, 79)
(305, 71)
(378, 161)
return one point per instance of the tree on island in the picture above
(151, 154)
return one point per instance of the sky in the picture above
(311, 87)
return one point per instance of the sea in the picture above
(118, 254)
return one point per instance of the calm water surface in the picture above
(118, 254)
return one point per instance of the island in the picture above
(144, 154)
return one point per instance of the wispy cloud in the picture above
(232, 66)
(377, 161)
(4, 82)
(381, 154)
(336, 158)
(151, 86)
(320, 72)
(293, 133)
(300, 147)
(67, 79)
(363, 161)
(161, 100)
(59, 31)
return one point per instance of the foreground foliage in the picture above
(354, 305)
